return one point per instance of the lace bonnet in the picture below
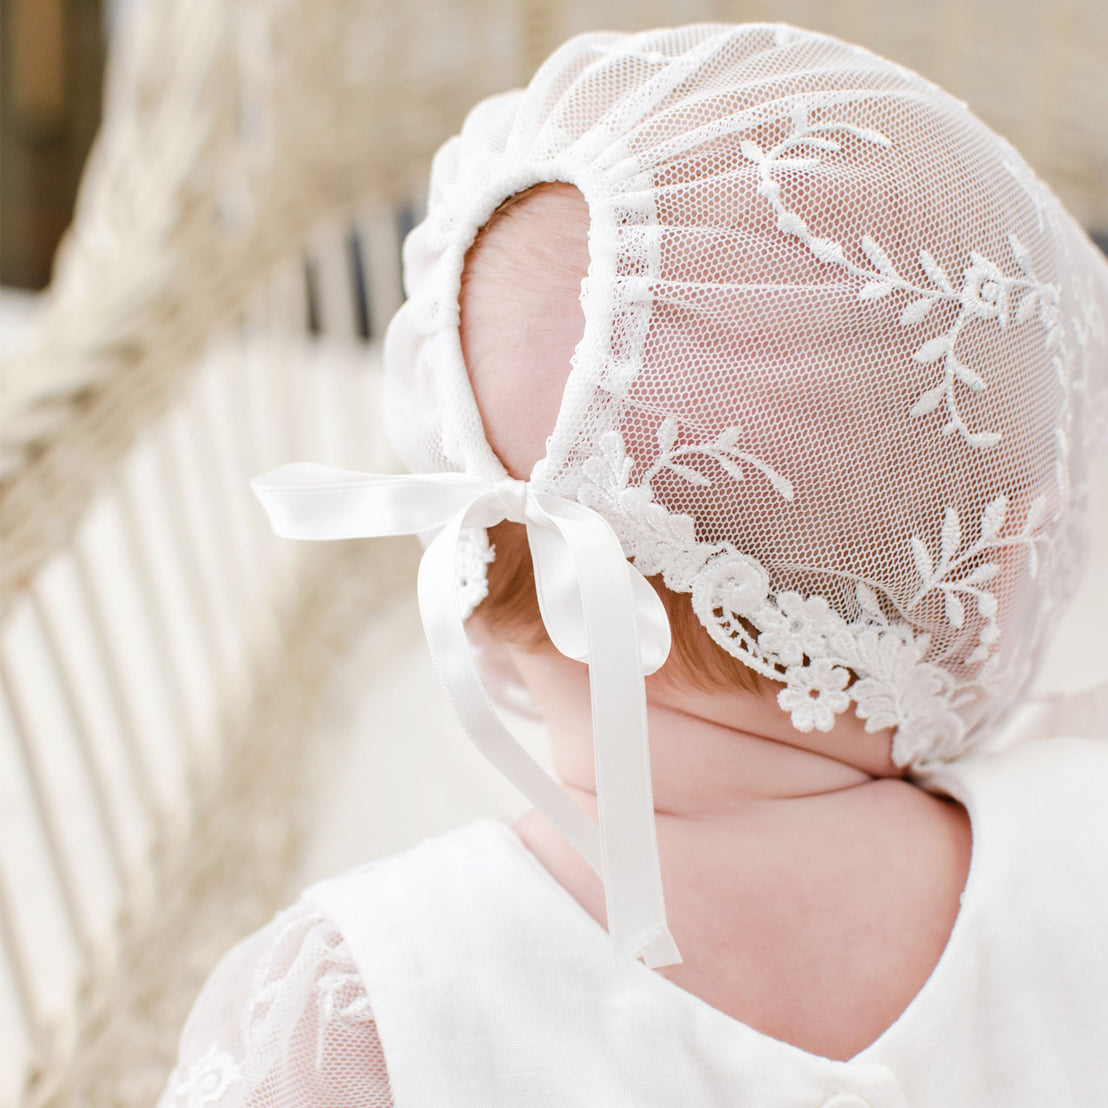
(844, 359)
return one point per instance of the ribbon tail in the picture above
(632, 871)
(453, 662)
(661, 950)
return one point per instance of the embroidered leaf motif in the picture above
(932, 351)
(1027, 306)
(992, 519)
(986, 605)
(781, 484)
(1034, 514)
(819, 143)
(730, 467)
(929, 400)
(867, 598)
(827, 250)
(955, 613)
(865, 134)
(924, 566)
(981, 574)
(723, 452)
(879, 258)
(873, 289)
(791, 224)
(968, 377)
(985, 292)
(951, 535)
(1022, 256)
(752, 151)
(935, 272)
(984, 441)
(917, 311)
(667, 434)
(690, 475)
(796, 163)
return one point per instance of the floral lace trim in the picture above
(800, 640)
(475, 553)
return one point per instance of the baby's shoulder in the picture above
(1039, 812)
(1044, 780)
(1075, 764)
(284, 1008)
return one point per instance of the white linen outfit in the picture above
(460, 974)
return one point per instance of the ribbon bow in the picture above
(597, 609)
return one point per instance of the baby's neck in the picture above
(811, 890)
(711, 753)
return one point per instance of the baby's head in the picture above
(814, 341)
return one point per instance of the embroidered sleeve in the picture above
(283, 1022)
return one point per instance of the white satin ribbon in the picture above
(597, 609)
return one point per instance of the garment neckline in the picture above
(947, 782)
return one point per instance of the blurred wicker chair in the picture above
(214, 311)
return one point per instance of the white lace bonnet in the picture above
(844, 359)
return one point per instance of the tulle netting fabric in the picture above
(283, 1022)
(843, 364)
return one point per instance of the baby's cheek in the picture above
(522, 320)
(520, 406)
(518, 353)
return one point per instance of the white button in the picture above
(846, 1100)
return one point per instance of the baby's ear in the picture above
(521, 317)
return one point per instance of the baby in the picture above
(825, 953)
(786, 326)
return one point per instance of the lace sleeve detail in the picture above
(283, 1022)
